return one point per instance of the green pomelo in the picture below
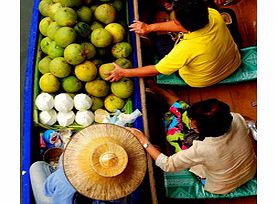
(105, 13)
(89, 50)
(44, 7)
(59, 67)
(52, 29)
(55, 50)
(44, 44)
(74, 54)
(44, 24)
(97, 103)
(121, 49)
(100, 37)
(71, 84)
(118, 5)
(104, 69)
(93, 8)
(96, 25)
(66, 16)
(97, 88)
(97, 62)
(117, 31)
(49, 83)
(65, 36)
(85, 14)
(123, 88)
(53, 9)
(113, 103)
(86, 71)
(124, 62)
(43, 65)
(82, 29)
(71, 3)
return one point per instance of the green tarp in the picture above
(185, 185)
(247, 70)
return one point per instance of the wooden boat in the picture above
(151, 190)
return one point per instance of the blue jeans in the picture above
(39, 171)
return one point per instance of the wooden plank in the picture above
(244, 95)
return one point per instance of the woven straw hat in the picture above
(104, 162)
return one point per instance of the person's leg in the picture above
(39, 171)
(169, 96)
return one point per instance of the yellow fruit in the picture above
(49, 83)
(113, 103)
(86, 71)
(97, 88)
(117, 31)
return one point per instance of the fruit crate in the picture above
(30, 138)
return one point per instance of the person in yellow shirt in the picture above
(204, 54)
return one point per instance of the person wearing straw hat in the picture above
(223, 156)
(103, 162)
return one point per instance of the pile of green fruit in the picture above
(80, 41)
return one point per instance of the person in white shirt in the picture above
(223, 155)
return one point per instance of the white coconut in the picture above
(82, 102)
(84, 117)
(44, 101)
(63, 102)
(48, 117)
(65, 118)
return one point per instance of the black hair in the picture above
(213, 117)
(192, 14)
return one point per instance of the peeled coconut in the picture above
(48, 117)
(44, 101)
(63, 102)
(82, 101)
(84, 117)
(65, 118)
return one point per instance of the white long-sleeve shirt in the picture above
(226, 162)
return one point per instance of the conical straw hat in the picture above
(104, 162)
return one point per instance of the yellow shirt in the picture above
(227, 161)
(203, 57)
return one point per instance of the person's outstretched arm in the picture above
(118, 73)
(142, 28)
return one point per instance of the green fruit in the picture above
(123, 88)
(117, 31)
(82, 29)
(97, 62)
(49, 83)
(121, 49)
(104, 69)
(89, 50)
(53, 9)
(71, 3)
(96, 103)
(124, 63)
(96, 25)
(93, 8)
(59, 67)
(66, 16)
(44, 24)
(100, 37)
(86, 71)
(113, 103)
(71, 84)
(55, 50)
(105, 13)
(52, 29)
(65, 36)
(74, 54)
(85, 14)
(43, 65)
(44, 7)
(97, 88)
(44, 44)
